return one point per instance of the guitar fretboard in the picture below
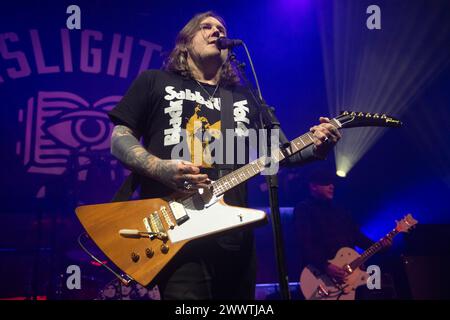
(376, 247)
(251, 169)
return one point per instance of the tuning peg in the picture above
(376, 116)
(353, 113)
(360, 114)
(383, 116)
(345, 113)
(368, 115)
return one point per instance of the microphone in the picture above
(225, 43)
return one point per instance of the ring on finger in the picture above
(187, 185)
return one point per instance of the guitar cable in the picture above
(124, 279)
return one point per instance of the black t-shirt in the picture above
(173, 113)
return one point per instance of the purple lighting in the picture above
(293, 14)
(293, 4)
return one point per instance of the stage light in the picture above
(378, 71)
(341, 173)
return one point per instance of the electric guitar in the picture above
(140, 237)
(316, 285)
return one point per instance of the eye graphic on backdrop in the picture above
(80, 129)
(61, 126)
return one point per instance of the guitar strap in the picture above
(133, 181)
(226, 121)
(127, 188)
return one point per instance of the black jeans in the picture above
(206, 269)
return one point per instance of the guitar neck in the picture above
(375, 248)
(251, 169)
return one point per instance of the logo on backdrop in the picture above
(63, 130)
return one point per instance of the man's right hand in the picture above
(336, 273)
(178, 173)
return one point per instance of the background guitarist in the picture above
(324, 228)
(185, 97)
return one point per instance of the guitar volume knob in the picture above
(164, 248)
(134, 257)
(149, 252)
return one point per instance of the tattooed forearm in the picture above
(174, 173)
(125, 146)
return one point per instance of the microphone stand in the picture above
(269, 121)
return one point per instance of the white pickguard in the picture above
(213, 217)
(316, 285)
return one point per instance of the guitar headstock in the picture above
(352, 119)
(406, 223)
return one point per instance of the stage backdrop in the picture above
(56, 86)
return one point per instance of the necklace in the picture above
(210, 97)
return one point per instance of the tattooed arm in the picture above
(125, 146)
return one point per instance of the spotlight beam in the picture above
(378, 71)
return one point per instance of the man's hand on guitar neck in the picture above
(325, 137)
(338, 274)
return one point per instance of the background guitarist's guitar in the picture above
(142, 236)
(316, 285)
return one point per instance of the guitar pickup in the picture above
(178, 212)
(154, 226)
(147, 225)
(167, 217)
(156, 223)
